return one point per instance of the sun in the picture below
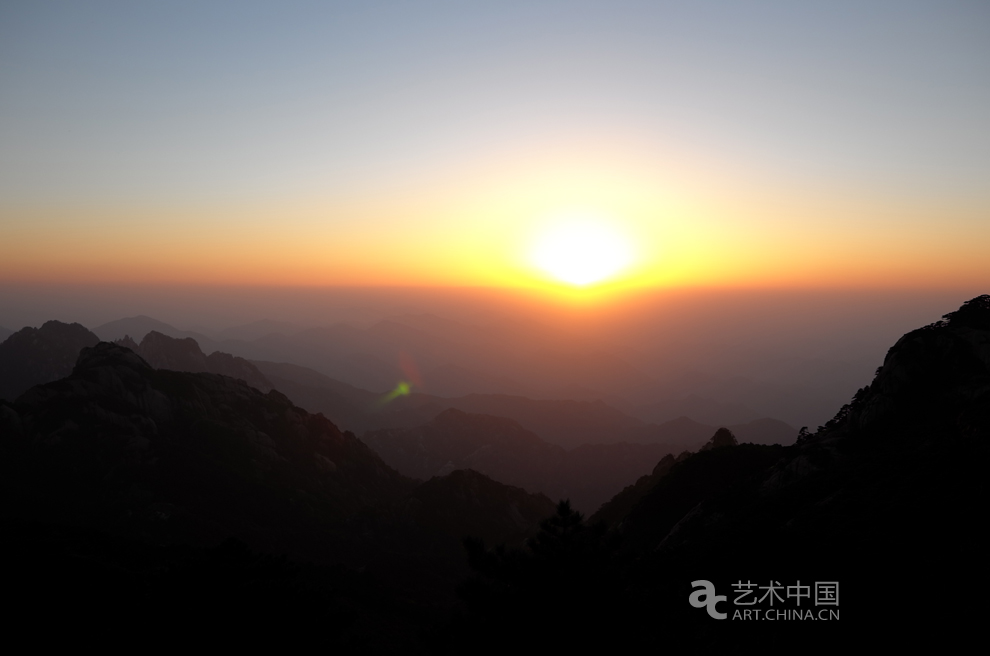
(582, 252)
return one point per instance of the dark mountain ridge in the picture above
(148, 470)
(189, 457)
(929, 405)
(194, 458)
(32, 356)
(139, 326)
(500, 448)
(193, 448)
(184, 354)
(129, 464)
(465, 502)
(885, 501)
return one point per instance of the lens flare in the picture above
(402, 389)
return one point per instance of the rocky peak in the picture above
(722, 437)
(974, 313)
(663, 466)
(931, 374)
(32, 356)
(184, 354)
(127, 342)
(108, 354)
(164, 352)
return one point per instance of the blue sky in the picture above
(202, 104)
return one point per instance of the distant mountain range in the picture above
(198, 457)
(607, 448)
(566, 423)
(496, 446)
(200, 503)
(134, 466)
(448, 359)
(505, 451)
(137, 327)
(482, 430)
(587, 475)
(184, 354)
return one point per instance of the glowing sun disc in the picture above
(582, 253)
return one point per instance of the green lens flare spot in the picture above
(402, 389)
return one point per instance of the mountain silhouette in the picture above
(522, 357)
(351, 406)
(468, 503)
(33, 356)
(197, 502)
(184, 354)
(502, 449)
(885, 500)
(615, 510)
(121, 484)
(139, 326)
(564, 422)
(123, 446)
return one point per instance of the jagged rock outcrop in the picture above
(32, 356)
(127, 342)
(723, 437)
(164, 352)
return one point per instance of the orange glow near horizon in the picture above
(348, 149)
(658, 225)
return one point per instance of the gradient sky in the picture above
(832, 144)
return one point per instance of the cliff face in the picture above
(937, 376)
(888, 496)
(32, 356)
(928, 405)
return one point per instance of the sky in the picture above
(720, 144)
